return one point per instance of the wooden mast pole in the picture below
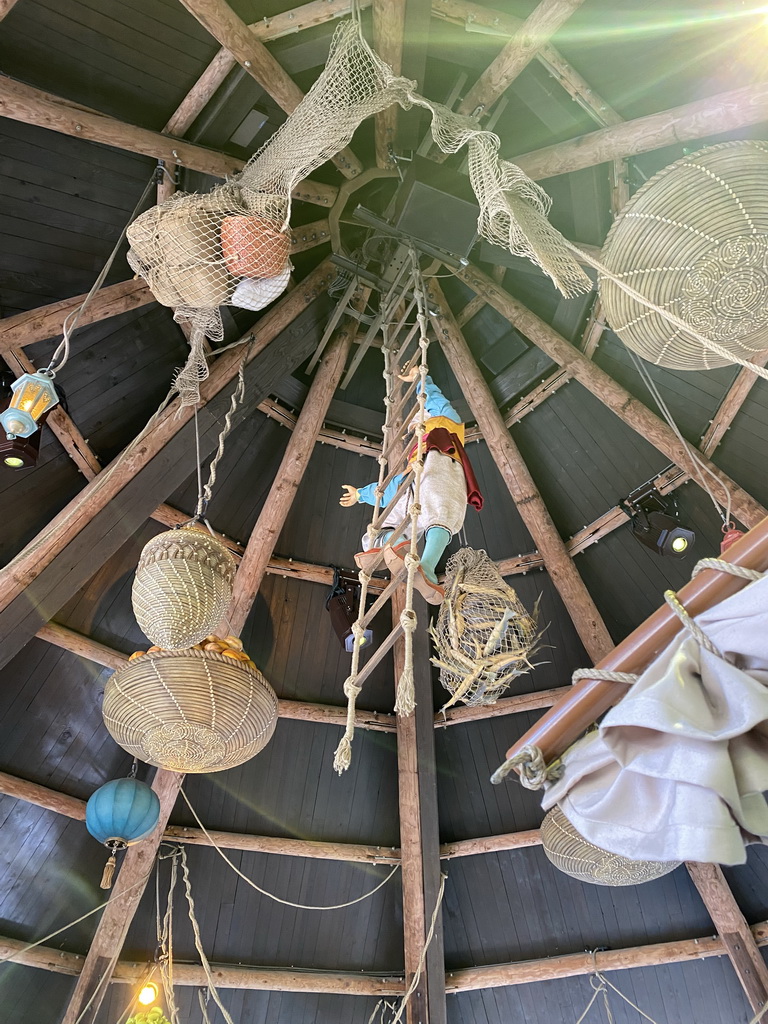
(559, 564)
(292, 467)
(419, 839)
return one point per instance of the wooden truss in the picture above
(42, 575)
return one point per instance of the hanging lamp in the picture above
(33, 396)
(120, 813)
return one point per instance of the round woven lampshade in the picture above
(573, 854)
(182, 588)
(190, 711)
(694, 240)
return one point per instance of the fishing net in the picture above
(196, 251)
(483, 636)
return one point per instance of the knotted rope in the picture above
(529, 761)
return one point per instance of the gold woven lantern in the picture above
(190, 711)
(571, 853)
(694, 241)
(183, 587)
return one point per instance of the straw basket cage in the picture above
(571, 853)
(694, 240)
(190, 711)
(182, 588)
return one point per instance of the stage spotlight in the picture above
(654, 526)
(342, 605)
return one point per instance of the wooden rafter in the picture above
(578, 603)
(733, 930)
(724, 112)
(218, 18)
(133, 875)
(265, 533)
(35, 584)
(735, 397)
(517, 54)
(608, 391)
(419, 842)
(569, 965)
(388, 34)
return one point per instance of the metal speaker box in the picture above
(433, 205)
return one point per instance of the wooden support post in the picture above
(52, 567)
(218, 18)
(565, 576)
(521, 49)
(724, 112)
(388, 33)
(93, 983)
(419, 841)
(611, 394)
(294, 463)
(734, 931)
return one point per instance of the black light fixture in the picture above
(342, 605)
(654, 526)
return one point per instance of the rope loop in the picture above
(408, 620)
(721, 565)
(603, 675)
(351, 692)
(693, 628)
(533, 770)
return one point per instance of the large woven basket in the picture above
(190, 711)
(694, 240)
(573, 854)
(182, 588)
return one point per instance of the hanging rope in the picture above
(271, 896)
(600, 986)
(423, 958)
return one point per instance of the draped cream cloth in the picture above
(678, 768)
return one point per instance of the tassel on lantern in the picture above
(109, 870)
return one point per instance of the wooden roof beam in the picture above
(735, 397)
(564, 574)
(608, 391)
(517, 54)
(419, 833)
(724, 112)
(218, 18)
(388, 35)
(734, 932)
(265, 533)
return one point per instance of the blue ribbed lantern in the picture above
(121, 813)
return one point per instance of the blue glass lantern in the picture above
(120, 813)
(33, 396)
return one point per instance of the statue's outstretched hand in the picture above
(411, 375)
(350, 497)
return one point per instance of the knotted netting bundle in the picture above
(231, 246)
(484, 636)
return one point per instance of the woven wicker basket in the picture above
(253, 247)
(573, 854)
(182, 588)
(190, 711)
(694, 240)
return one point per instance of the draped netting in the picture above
(231, 246)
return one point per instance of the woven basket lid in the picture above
(190, 711)
(182, 588)
(573, 854)
(694, 240)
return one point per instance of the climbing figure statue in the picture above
(448, 485)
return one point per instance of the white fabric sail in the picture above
(678, 769)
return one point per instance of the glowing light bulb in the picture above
(13, 461)
(148, 994)
(679, 544)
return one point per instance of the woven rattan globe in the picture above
(190, 711)
(694, 240)
(573, 854)
(182, 588)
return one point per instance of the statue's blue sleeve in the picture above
(437, 404)
(367, 496)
